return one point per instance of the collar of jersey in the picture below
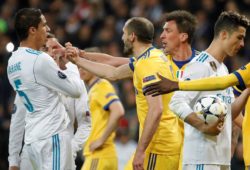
(180, 64)
(92, 84)
(218, 64)
(146, 52)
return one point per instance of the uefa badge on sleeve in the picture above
(61, 75)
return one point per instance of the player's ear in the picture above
(183, 37)
(132, 37)
(32, 30)
(223, 34)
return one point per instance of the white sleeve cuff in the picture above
(14, 161)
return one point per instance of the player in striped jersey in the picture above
(112, 73)
(77, 110)
(106, 109)
(229, 33)
(37, 80)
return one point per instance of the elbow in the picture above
(76, 93)
(121, 112)
(111, 78)
(114, 76)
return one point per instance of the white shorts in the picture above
(54, 153)
(205, 167)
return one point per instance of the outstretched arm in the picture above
(116, 112)
(240, 103)
(101, 70)
(207, 84)
(155, 108)
(104, 58)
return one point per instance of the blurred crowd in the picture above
(88, 23)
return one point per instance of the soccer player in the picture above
(106, 110)
(38, 80)
(156, 146)
(229, 33)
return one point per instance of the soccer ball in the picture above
(209, 108)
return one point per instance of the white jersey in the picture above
(16, 132)
(37, 79)
(76, 108)
(198, 147)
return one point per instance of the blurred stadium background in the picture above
(87, 23)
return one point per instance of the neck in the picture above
(182, 53)
(216, 51)
(139, 48)
(91, 81)
(30, 44)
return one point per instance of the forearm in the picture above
(99, 69)
(239, 103)
(209, 84)
(104, 58)
(150, 126)
(239, 120)
(193, 120)
(111, 126)
(235, 136)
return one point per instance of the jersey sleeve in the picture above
(243, 76)
(107, 95)
(83, 122)
(16, 135)
(132, 62)
(180, 102)
(147, 69)
(47, 73)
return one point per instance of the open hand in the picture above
(215, 128)
(163, 86)
(95, 145)
(72, 53)
(138, 161)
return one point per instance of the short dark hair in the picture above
(185, 21)
(142, 27)
(230, 21)
(24, 19)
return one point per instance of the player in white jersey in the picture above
(37, 79)
(77, 109)
(210, 152)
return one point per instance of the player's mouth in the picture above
(164, 44)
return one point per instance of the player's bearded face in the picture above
(128, 48)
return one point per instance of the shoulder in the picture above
(43, 59)
(104, 84)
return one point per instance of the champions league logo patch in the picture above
(243, 68)
(213, 65)
(61, 75)
(149, 78)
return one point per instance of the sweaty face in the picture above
(41, 32)
(170, 37)
(128, 46)
(235, 41)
